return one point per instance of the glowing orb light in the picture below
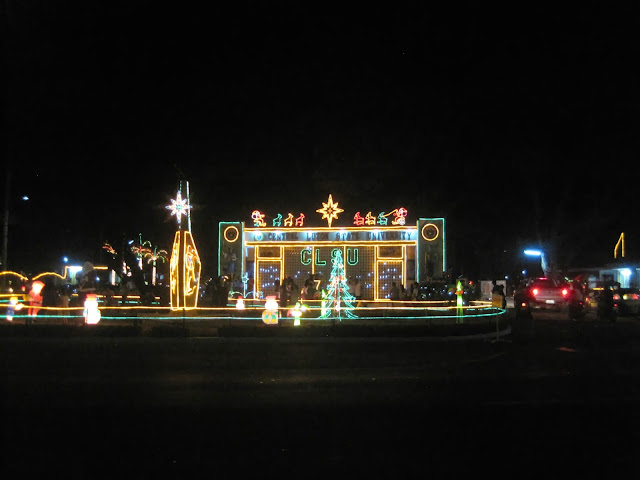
(240, 303)
(91, 312)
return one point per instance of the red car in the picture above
(548, 293)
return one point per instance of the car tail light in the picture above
(535, 291)
(616, 297)
(565, 292)
(635, 296)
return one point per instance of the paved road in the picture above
(560, 396)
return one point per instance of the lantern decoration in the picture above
(12, 307)
(240, 303)
(459, 292)
(270, 313)
(296, 313)
(91, 312)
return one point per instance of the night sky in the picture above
(518, 125)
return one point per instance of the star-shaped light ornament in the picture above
(330, 210)
(179, 207)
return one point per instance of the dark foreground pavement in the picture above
(560, 400)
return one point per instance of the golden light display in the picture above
(270, 313)
(377, 249)
(330, 210)
(184, 272)
(91, 312)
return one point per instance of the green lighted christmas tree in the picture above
(337, 302)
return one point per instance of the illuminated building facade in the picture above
(377, 249)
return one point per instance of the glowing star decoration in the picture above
(258, 219)
(91, 312)
(12, 307)
(330, 210)
(179, 207)
(270, 313)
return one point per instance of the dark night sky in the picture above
(517, 124)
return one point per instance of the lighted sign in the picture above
(379, 249)
(348, 235)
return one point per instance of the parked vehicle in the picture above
(548, 293)
(627, 301)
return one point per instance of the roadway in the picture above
(557, 397)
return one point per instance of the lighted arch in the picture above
(8, 272)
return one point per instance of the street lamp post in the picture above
(543, 259)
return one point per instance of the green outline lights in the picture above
(354, 258)
(306, 255)
(318, 261)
